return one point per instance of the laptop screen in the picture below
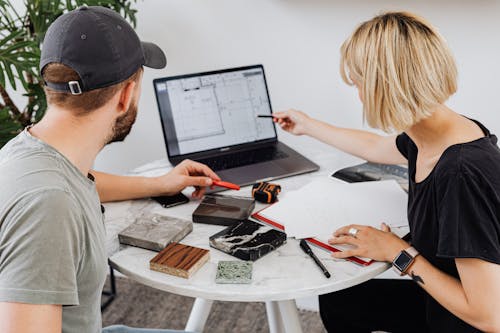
(212, 110)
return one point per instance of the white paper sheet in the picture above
(323, 206)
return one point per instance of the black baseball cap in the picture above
(98, 44)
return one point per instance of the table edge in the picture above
(277, 296)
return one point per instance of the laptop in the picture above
(211, 118)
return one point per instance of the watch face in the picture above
(402, 261)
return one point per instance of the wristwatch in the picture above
(404, 260)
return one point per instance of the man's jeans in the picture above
(126, 329)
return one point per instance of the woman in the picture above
(404, 73)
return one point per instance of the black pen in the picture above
(307, 249)
(265, 116)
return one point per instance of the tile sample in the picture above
(179, 260)
(155, 232)
(248, 240)
(234, 272)
(223, 210)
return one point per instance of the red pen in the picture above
(225, 184)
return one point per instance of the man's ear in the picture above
(126, 96)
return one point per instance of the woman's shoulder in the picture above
(405, 145)
(478, 160)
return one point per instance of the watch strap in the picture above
(412, 251)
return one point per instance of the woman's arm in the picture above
(187, 173)
(366, 145)
(475, 298)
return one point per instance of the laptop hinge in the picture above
(216, 153)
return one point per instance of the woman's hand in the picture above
(369, 242)
(187, 173)
(293, 121)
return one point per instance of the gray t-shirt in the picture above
(52, 235)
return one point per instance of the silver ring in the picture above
(353, 232)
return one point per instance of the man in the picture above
(52, 251)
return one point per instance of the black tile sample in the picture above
(223, 210)
(248, 240)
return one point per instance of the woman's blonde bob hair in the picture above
(402, 67)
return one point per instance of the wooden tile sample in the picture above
(179, 260)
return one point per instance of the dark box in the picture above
(248, 240)
(223, 210)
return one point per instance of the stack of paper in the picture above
(323, 206)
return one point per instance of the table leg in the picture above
(274, 317)
(290, 316)
(199, 314)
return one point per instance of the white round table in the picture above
(278, 278)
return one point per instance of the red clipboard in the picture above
(313, 241)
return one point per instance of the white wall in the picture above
(298, 42)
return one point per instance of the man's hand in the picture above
(187, 173)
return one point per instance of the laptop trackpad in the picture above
(250, 173)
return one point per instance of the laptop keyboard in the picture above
(243, 158)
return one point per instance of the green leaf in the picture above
(10, 37)
(38, 104)
(20, 40)
(9, 128)
(2, 76)
(10, 75)
(16, 58)
(16, 47)
(9, 18)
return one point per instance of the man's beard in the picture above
(123, 124)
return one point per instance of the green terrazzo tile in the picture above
(234, 272)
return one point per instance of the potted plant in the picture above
(21, 36)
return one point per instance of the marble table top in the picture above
(286, 273)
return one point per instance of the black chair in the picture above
(109, 294)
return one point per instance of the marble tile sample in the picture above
(248, 240)
(234, 272)
(179, 260)
(223, 210)
(155, 232)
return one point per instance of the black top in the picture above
(455, 212)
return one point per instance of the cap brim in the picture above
(153, 56)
